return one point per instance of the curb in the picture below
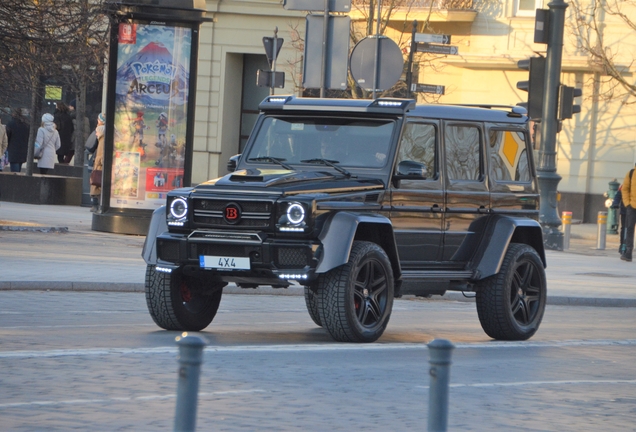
(291, 291)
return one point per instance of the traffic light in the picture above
(566, 102)
(534, 86)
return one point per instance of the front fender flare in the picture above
(341, 229)
(158, 225)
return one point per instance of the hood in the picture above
(289, 181)
(49, 126)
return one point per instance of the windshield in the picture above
(344, 141)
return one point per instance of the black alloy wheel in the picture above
(355, 299)
(511, 303)
(177, 302)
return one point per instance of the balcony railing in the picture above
(420, 4)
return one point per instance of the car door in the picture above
(417, 199)
(467, 194)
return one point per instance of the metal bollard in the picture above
(566, 218)
(190, 358)
(440, 361)
(602, 230)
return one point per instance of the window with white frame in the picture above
(526, 8)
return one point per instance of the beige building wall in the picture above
(596, 146)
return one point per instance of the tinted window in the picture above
(419, 145)
(349, 142)
(508, 156)
(463, 153)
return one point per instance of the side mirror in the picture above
(411, 170)
(233, 162)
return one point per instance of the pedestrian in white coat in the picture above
(47, 142)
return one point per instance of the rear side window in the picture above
(508, 156)
(419, 145)
(463, 153)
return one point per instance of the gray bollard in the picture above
(190, 358)
(566, 218)
(602, 230)
(440, 360)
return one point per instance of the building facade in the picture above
(595, 147)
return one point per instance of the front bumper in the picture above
(272, 261)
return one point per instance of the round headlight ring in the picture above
(295, 213)
(179, 208)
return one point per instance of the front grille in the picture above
(209, 212)
(288, 257)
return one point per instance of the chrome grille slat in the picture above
(209, 212)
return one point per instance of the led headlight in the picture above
(295, 213)
(178, 208)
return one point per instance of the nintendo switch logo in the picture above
(232, 213)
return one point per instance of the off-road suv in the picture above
(359, 202)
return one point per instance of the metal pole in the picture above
(546, 171)
(190, 358)
(323, 70)
(602, 230)
(566, 216)
(377, 49)
(440, 360)
(409, 70)
(271, 82)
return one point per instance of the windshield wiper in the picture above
(328, 162)
(279, 161)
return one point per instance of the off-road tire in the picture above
(311, 300)
(355, 299)
(511, 303)
(176, 302)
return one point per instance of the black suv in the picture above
(360, 201)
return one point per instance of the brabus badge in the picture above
(232, 213)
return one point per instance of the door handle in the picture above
(483, 209)
(435, 208)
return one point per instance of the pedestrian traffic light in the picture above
(566, 102)
(534, 86)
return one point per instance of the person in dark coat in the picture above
(18, 136)
(64, 124)
(618, 204)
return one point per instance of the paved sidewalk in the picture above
(53, 247)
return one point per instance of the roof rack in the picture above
(515, 110)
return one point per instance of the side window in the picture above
(463, 153)
(419, 145)
(508, 156)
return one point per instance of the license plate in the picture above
(228, 263)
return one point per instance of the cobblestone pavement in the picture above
(95, 361)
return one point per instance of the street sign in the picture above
(432, 38)
(268, 43)
(334, 65)
(428, 88)
(318, 5)
(270, 79)
(390, 63)
(437, 49)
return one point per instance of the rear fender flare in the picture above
(502, 231)
(158, 225)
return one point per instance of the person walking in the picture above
(98, 164)
(18, 136)
(629, 201)
(3, 144)
(47, 143)
(64, 124)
